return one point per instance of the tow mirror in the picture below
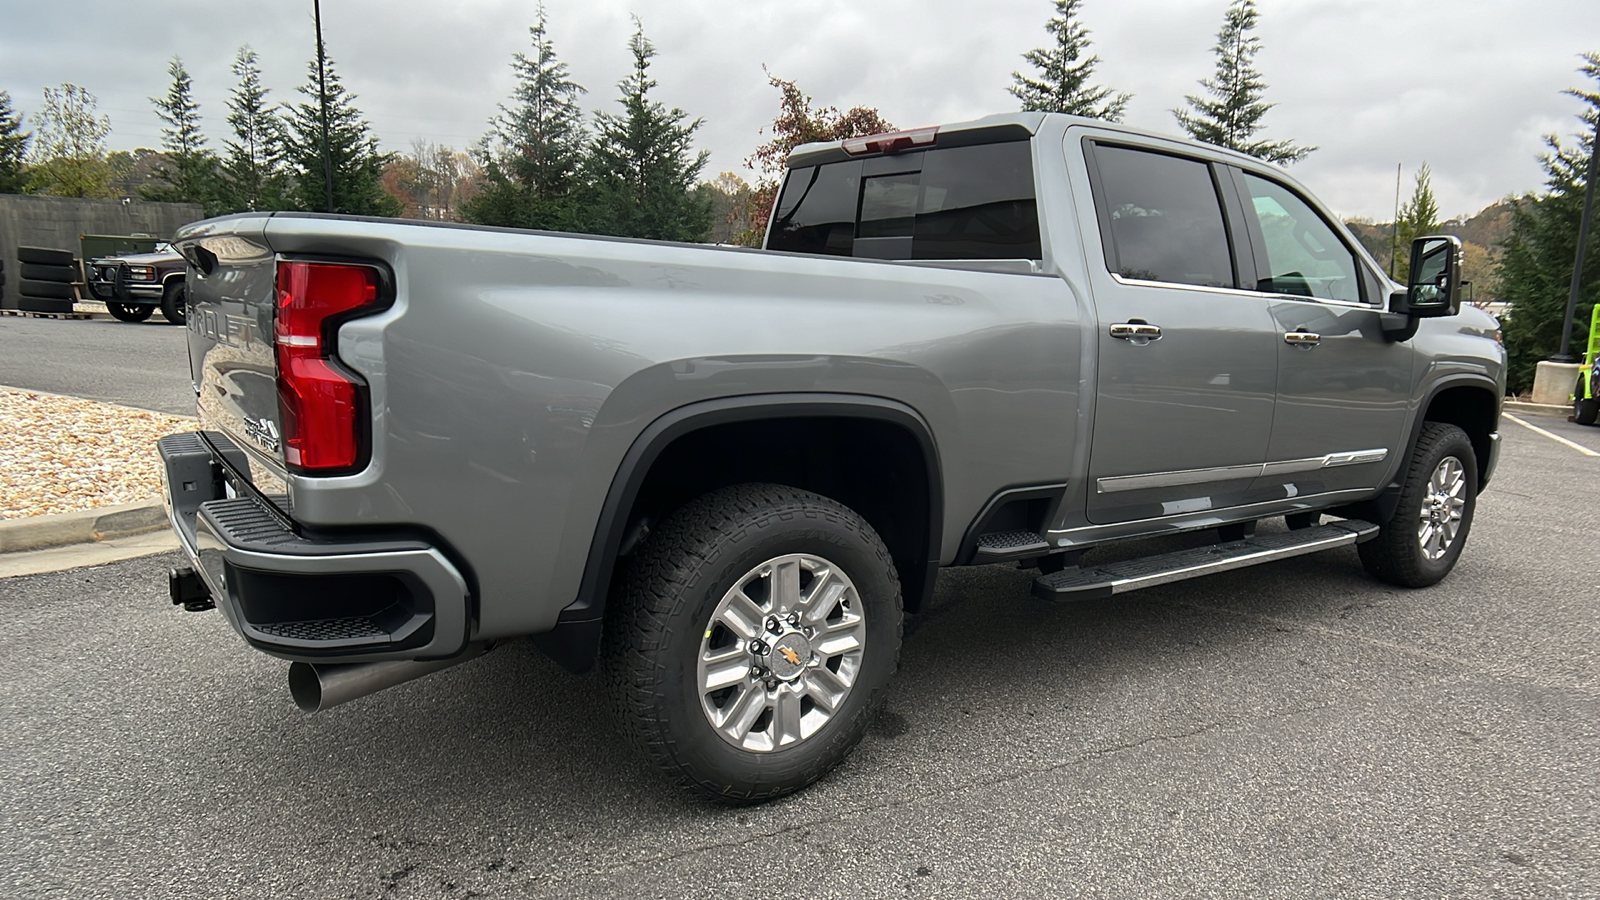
(1435, 286)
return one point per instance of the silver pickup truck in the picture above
(726, 474)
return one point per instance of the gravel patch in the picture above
(62, 454)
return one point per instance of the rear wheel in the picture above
(1421, 543)
(173, 303)
(129, 312)
(759, 626)
(1585, 411)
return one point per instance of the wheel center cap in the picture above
(789, 654)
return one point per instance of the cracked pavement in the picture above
(1291, 730)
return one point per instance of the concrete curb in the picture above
(1537, 409)
(86, 526)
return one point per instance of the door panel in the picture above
(1181, 423)
(1187, 363)
(1347, 393)
(1343, 388)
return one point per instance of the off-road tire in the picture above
(174, 303)
(44, 290)
(44, 257)
(42, 272)
(129, 312)
(1395, 555)
(1586, 411)
(672, 588)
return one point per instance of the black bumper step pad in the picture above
(348, 631)
(1100, 582)
(1003, 545)
(244, 524)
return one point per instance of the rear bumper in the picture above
(325, 599)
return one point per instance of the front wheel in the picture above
(1421, 543)
(129, 312)
(173, 303)
(758, 628)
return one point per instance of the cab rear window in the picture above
(974, 202)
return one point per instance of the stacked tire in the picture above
(44, 280)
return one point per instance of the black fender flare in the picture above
(1384, 504)
(575, 640)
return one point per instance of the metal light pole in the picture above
(322, 97)
(1566, 355)
(1394, 235)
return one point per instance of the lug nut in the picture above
(773, 625)
(758, 648)
(794, 618)
(758, 672)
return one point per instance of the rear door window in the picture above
(1161, 218)
(972, 202)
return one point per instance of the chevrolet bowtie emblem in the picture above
(790, 655)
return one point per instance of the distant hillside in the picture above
(1480, 236)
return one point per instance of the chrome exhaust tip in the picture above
(317, 687)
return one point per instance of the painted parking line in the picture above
(1552, 436)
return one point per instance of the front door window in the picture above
(1305, 257)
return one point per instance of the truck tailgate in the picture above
(231, 358)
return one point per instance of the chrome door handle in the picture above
(1305, 340)
(1136, 331)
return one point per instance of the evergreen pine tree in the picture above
(13, 148)
(1536, 265)
(642, 164)
(1233, 117)
(188, 174)
(1063, 83)
(533, 155)
(253, 175)
(1419, 216)
(356, 161)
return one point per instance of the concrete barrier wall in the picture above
(56, 222)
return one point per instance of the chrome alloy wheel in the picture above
(1442, 507)
(781, 652)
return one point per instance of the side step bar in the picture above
(1100, 582)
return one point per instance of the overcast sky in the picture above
(1469, 86)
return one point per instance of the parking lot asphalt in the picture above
(1293, 730)
(1586, 437)
(144, 364)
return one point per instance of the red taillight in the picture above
(892, 142)
(320, 404)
